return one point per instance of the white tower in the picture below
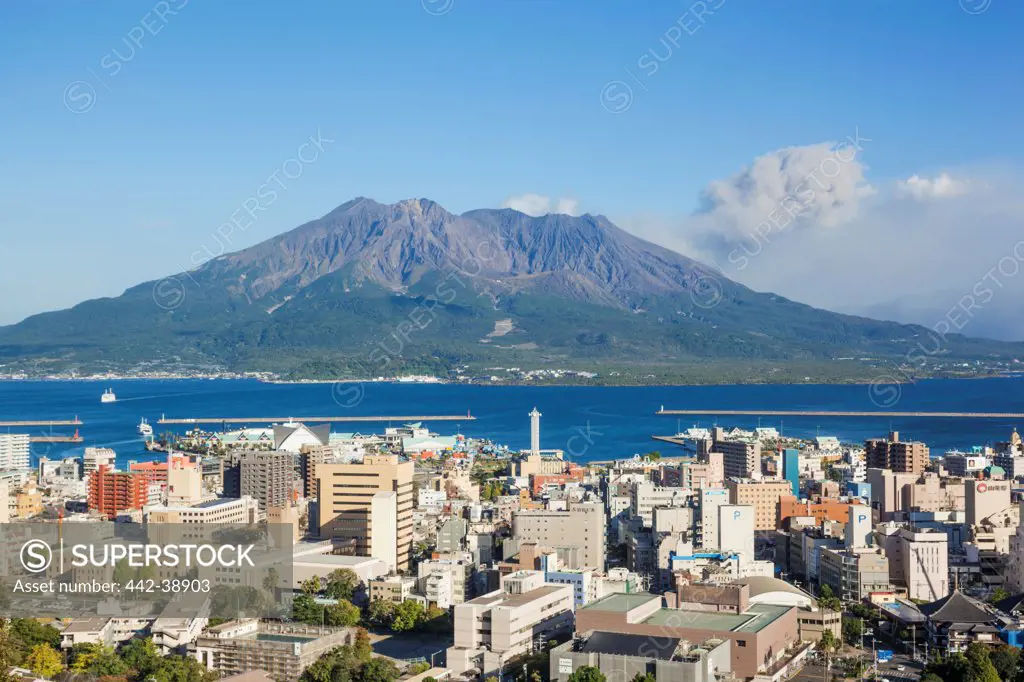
(535, 432)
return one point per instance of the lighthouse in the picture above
(535, 432)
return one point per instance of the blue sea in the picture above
(589, 423)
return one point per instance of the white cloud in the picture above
(861, 249)
(939, 187)
(538, 205)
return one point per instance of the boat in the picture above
(144, 428)
(108, 396)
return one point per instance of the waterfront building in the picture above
(496, 627)
(580, 529)
(93, 458)
(740, 458)
(379, 488)
(898, 456)
(14, 451)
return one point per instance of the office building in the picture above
(706, 531)
(984, 498)
(899, 456)
(581, 529)
(791, 469)
(283, 651)
(353, 493)
(924, 559)
(14, 450)
(494, 628)
(264, 476)
(645, 496)
(763, 496)
(963, 464)
(111, 492)
(853, 574)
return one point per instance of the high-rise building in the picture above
(924, 556)
(710, 500)
(111, 492)
(791, 469)
(264, 476)
(898, 456)
(349, 502)
(740, 458)
(14, 450)
(984, 498)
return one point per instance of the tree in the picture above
(342, 584)
(980, 666)
(306, 610)
(998, 595)
(380, 670)
(381, 613)
(644, 677)
(344, 613)
(828, 641)
(653, 456)
(271, 580)
(100, 661)
(6, 658)
(179, 669)
(1006, 660)
(418, 667)
(852, 630)
(828, 600)
(587, 673)
(140, 655)
(312, 586)
(43, 660)
(362, 649)
(408, 616)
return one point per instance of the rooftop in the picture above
(621, 602)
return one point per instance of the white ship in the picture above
(144, 428)
(108, 396)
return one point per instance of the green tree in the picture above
(587, 673)
(653, 456)
(931, 677)
(828, 600)
(829, 641)
(408, 616)
(312, 586)
(998, 595)
(979, 663)
(44, 661)
(852, 630)
(140, 654)
(381, 613)
(1006, 660)
(362, 649)
(418, 667)
(344, 613)
(179, 669)
(123, 572)
(342, 584)
(380, 670)
(6, 651)
(271, 580)
(306, 610)
(100, 661)
(644, 677)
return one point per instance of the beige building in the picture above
(392, 588)
(763, 496)
(224, 510)
(582, 528)
(985, 498)
(184, 485)
(887, 491)
(496, 627)
(924, 556)
(446, 582)
(740, 458)
(853, 574)
(349, 504)
(930, 493)
(536, 463)
(644, 497)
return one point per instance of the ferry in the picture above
(144, 428)
(108, 396)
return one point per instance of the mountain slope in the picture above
(378, 289)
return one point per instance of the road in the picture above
(815, 672)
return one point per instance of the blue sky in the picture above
(489, 99)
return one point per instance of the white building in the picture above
(924, 557)
(584, 585)
(644, 497)
(14, 450)
(94, 458)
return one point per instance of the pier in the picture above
(828, 413)
(56, 439)
(313, 420)
(47, 422)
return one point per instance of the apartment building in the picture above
(854, 573)
(740, 458)
(264, 476)
(111, 492)
(14, 450)
(581, 527)
(369, 502)
(496, 627)
(446, 582)
(93, 458)
(908, 457)
(763, 496)
(820, 510)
